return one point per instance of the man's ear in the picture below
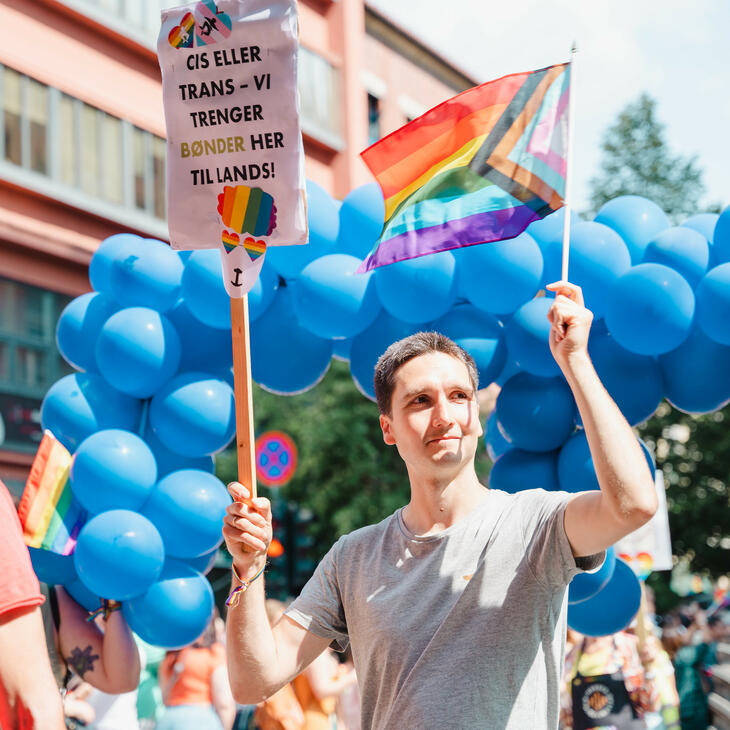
(387, 428)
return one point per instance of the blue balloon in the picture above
(368, 346)
(332, 300)
(535, 413)
(713, 304)
(480, 334)
(611, 609)
(696, 374)
(168, 461)
(598, 256)
(651, 309)
(341, 349)
(528, 333)
(361, 220)
(147, 274)
(203, 289)
(81, 594)
(418, 290)
(703, 223)
(498, 277)
(79, 326)
(263, 291)
(138, 351)
(175, 610)
(324, 224)
(113, 469)
(119, 554)
(203, 563)
(517, 470)
(202, 347)
(721, 239)
(576, 472)
(111, 250)
(52, 568)
(194, 414)
(275, 337)
(633, 381)
(497, 445)
(548, 233)
(586, 585)
(510, 368)
(682, 249)
(80, 404)
(636, 219)
(187, 507)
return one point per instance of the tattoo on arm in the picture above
(81, 661)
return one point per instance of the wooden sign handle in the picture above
(245, 439)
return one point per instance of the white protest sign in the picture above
(650, 548)
(235, 161)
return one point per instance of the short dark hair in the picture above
(400, 352)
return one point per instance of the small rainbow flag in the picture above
(254, 248)
(230, 240)
(477, 168)
(49, 513)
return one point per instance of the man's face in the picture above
(434, 420)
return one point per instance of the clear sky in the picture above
(676, 50)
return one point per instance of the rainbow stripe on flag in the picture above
(49, 513)
(477, 168)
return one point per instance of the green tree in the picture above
(692, 451)
(636, 160)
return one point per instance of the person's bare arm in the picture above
(108, 661)
(261, 660)
(223, 702)
(627, 498)
(325, 680)
(26, 678)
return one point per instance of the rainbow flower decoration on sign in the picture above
(248, 210)
(477, 168)
(641, 563)
(50, 514)
(206, 25)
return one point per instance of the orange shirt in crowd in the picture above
(193, 684)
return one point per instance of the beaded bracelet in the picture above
(234, 595)
(107, 608)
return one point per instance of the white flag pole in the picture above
(569, 163)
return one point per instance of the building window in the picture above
(373, 119)
(12, 106)
(29, 360)
(320, 96)
(79, 146)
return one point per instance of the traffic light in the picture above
(302, 560)
(277, 573)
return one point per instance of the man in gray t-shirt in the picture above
(455, 605)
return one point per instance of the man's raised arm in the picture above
(627, 498)
(260, 659)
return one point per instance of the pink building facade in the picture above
(82, 153)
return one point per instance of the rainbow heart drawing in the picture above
(181, 36)
(229, 240)
(254, 248)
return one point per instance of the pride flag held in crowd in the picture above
(479, 167)
(50, 514)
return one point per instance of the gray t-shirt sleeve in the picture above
(319, 606)
(548, 550)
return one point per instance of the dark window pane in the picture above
(31, 366)
(158, 166)
(67, 140)
(38, 121)
(138, 167)
(11, 116)
(373, 119)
